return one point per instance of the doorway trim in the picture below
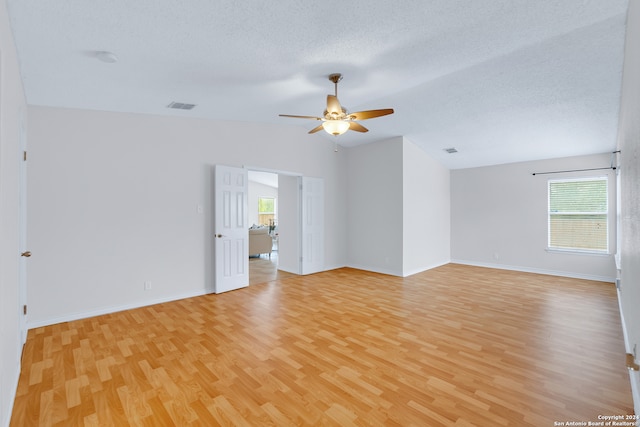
(22, 274)
(291, 247)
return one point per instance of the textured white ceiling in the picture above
(501, 80)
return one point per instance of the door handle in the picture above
(219, 236)
(26, 254)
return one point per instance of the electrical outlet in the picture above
(147, 286)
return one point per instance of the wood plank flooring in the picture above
(456, 345)
(265, 269)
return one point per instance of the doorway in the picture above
(263, 211)
(299, 245)
(285, 188)
(280, 188)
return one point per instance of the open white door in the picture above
(231, 230)
(312, 222)
(22, 278)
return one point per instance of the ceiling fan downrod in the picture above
(335, 78)
(335, 119)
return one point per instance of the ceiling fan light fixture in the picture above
(336, 120)
(335, 127)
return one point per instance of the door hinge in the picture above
(631, 362)
(24, 156)
(24, 309)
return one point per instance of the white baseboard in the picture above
(389, 272)
(420, 270)
(286, 270)
(113, 309)
(392, 272)
(609, 279)
(335, 267)
(326, 268)
(634, 376)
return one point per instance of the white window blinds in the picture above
(578, 210)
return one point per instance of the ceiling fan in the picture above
(336, 119)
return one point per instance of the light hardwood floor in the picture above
(456, 345)
(265, 269)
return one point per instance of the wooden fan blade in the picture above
(357, 127)
(333, 106)
(300, 117)
(316, 129)
(370, 114)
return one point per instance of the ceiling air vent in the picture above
(451, 150)
(181, 106)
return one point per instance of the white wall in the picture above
(499, 218)
(12, 111)
(113, 203)
(629, 145)
(375, 206)
(426, 211)
(289, 224)
(258, 190)
(398, 208)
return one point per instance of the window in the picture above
(266, 210)
(578, 215)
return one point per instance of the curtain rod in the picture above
(574, 170)
(581, 170)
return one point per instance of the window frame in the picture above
(274, 213)
(267, 198)
(606, 213)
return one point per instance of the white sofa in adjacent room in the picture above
(260, 241)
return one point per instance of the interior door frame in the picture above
(22, 273)
(299, 243)
(294, 245)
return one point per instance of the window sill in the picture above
(577, 252)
